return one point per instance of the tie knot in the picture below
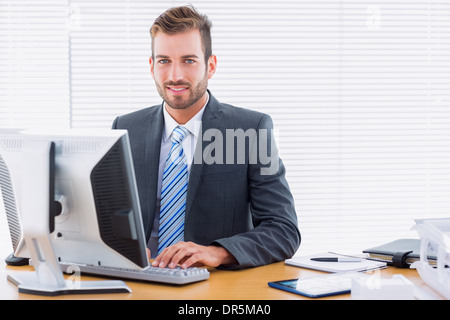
(178, 134)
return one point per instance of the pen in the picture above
(337, 259)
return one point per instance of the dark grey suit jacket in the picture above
(232, 205)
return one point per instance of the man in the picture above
(233, 206)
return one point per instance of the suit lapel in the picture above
(212, 117)
(152, 152)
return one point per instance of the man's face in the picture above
(179, 69)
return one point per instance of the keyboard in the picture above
(176, 276)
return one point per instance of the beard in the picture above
(196, 92)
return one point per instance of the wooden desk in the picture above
(249, 284)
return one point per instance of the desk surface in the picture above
(249, 284)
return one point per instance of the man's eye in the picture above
(163, 61)
(189, 61)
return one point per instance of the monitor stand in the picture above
(36, 200)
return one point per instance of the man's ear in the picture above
(152, 67)
(212, 66)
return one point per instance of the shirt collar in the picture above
(192, 125)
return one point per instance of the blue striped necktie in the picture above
(173, 193)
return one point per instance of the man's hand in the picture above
(189, 254)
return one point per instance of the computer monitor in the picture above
(10, 203)
(93, 205)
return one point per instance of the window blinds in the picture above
(34, 68)
(358, 90)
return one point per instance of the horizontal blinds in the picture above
(110, 50)
(34, 69)
(358, 91)
(360, 95)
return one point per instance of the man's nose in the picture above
(176, 73)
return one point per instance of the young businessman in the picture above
(232, 207)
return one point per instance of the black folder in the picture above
(400, 253)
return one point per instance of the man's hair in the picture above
(182, 19)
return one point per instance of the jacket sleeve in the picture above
(275, 235)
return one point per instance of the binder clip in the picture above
(399, 259)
